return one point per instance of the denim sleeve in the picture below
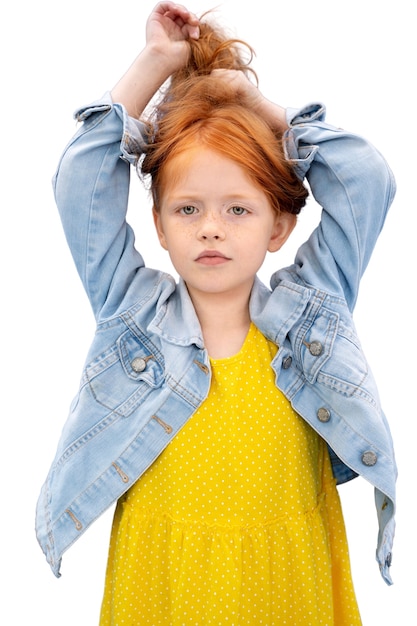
(355, 187)
(91, 187)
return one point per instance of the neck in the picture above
(224, 322)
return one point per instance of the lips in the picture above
(212, 257)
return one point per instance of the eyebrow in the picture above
(193, 196)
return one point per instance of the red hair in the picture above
(199, 108)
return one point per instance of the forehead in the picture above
(202, 168)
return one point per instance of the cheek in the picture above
(175, 238)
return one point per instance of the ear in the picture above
(283, 227)
(159, 230)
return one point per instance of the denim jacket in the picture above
(147, 370)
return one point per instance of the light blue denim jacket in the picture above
(147, 370)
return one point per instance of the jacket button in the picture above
(286, 363)
(315, 348)
(138, 364)
(323, 414)
(369, 458)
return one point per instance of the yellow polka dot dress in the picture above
(238, 522)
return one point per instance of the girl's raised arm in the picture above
(248, 93)
(168, 30)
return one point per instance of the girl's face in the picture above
(216, 223)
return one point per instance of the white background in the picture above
(356, 56)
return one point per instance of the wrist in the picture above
(274, 115)
(142, 80)
(154, 65)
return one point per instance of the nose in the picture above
(211, 227)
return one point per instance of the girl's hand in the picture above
(168, 29)
(249, 94)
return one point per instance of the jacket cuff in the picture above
(314, 112)
(301, 155)
(133, 140)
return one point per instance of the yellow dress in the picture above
(238, 522)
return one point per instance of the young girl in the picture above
(220, 414)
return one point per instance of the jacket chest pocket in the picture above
(123, 377)
(330, 354)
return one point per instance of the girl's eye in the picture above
(188, 210)
(238, 210)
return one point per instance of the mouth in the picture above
(212, 257)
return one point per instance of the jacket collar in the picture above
(176, 320)
(274, 313)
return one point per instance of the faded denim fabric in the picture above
(147, 370)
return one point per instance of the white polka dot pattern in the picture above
(238, 522)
